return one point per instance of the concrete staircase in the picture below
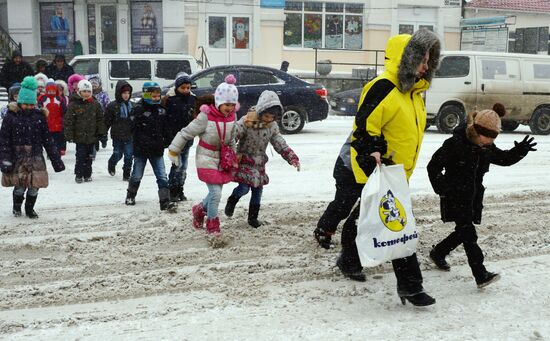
(3, 91)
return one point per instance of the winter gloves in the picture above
(525, 146)
(367, 163)
(174, 157)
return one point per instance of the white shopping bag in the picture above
(386, 228)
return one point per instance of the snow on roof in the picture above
(515, 5)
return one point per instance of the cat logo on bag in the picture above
(392, 213)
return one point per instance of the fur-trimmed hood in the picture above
(404, 53)
(13, 107)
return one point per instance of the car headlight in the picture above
(350, 100)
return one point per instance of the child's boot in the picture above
(230, 206)
(253, 211)
(131, 193)
(486, 279)
(198, 215)
(29, 207)
(126, 174)
(164, 200)
(17, 202)
(111, 169)
(213, 226)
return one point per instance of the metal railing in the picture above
(203, 60)
(378, 62)
(7, 44)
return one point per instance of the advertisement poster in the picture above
(146, 27)
(57, 27)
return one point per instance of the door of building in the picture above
(102, 28)
(229, 39)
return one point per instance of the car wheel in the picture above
(292, 121)
(509, 125)
(540, 121)
(449, 117)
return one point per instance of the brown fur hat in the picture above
(486, 122)
(205, 99)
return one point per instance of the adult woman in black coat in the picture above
(456, 173)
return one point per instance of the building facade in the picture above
(262, 32)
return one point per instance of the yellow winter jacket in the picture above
(400, 117)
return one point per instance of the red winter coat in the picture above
(56, 110)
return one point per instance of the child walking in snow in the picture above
(13, 94)
(150, 136)
(180, 106)
(23, 134)
(55, 105)
(117, 117)
(84, 125)
(215, 126)
(103, 99)
(255, 131)
(456, 173)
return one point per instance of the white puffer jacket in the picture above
(207, 156)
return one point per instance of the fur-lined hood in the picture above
(404, 53)
(13, 107)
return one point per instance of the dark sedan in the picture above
(302, 101)
(345, 102)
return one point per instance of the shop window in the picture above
(146, 26)
(217, 32)
(329, 25)
(168, 69)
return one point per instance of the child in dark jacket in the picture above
(13, 93)
(255, 131)
(117, 117)
(179, 107)
(54, 103)
(23, 134)
(150, 136)
(84, 125)
(456, 173)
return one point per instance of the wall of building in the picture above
(523, 19)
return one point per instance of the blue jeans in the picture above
(243, 189)
(212, 200)
(122, 148)
(158, 168)
(84, 157)
(20, 191)
(178, 174)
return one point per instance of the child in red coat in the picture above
(54, 103)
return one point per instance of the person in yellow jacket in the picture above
(388, 128)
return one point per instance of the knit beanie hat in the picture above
(148, 89)
(74, 79)
(227, 92)
(182, 78)
(95, 80)
(51, 86)
(41, 78)
(27, 93)
(84, 85)
(487, 122)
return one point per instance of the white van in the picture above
(471, 80)
(134, 68)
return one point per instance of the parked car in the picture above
(133, 68)
(345, 102)
(470, 80)
(302, 101)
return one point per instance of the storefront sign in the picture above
(146, 27)
(57, 27)
(272, 3)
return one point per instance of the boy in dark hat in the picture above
(456, 173)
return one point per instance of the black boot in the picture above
(174, 194)
(131, 193)
(487, 278)
(408, 275)
(420, 300)
(439, 260)
(181, 196)
(164, 200)
(323, 238)
(230, 206)
(126, 174)
(17, 202)
(111, 169)
(355, 274)
(253, 211)
(29, 207)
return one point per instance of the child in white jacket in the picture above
(214, 124)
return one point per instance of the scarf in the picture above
(125, 108)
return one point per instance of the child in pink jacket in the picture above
(214, 124)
